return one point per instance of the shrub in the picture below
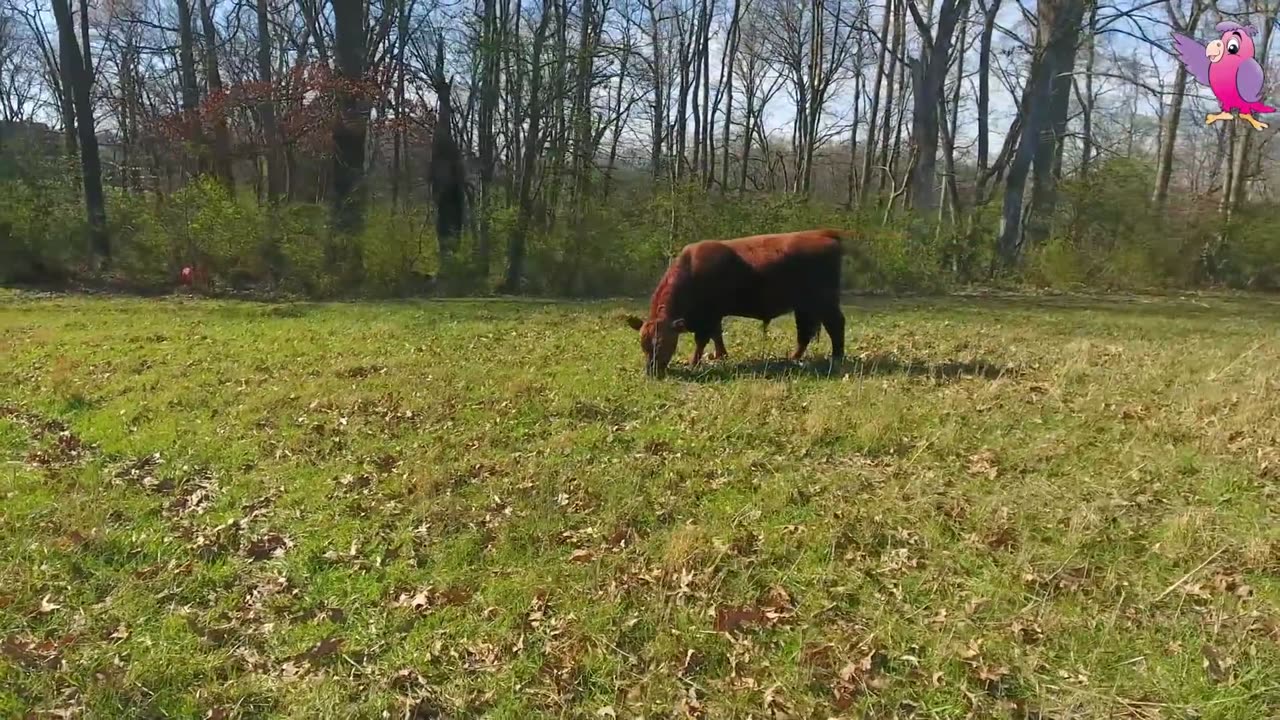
(1105, 233)
(42, 231)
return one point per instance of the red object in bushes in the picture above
(186, 276)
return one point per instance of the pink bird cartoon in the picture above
(1227, 66)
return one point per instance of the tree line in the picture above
(511, 120)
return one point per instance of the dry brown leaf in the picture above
(729, 619)
(29, 654)
(1217, 666)
(983, 463)
(268, 546)
(1028, 633)
(774, 703)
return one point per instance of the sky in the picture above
(1119, 40)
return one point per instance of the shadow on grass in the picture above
(867, 365)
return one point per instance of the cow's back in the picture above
(764, 276)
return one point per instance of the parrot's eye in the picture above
(1233, 46)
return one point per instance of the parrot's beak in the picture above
(1214, 51)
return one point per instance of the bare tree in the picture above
(221, 137)
(267, 108)
(929, 76)
(533, 143)
(1044, 112)
(79, 75)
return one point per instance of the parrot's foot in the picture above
(1215, 118)
(1256, 125)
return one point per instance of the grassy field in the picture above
(1028, 507)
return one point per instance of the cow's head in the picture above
(658, 341)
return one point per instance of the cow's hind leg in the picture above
(833, 321)
(699, 344)
(807, 324)
(717, 336)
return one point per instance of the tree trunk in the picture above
(748, 127)
(67, 100)
(708, 122)
(1047, 90)
(658, 128)
(952, 127)
(869, 152)
(190, 89)
(447, 178)
(886, 119)
(489, 80)
(1088, 102)
(221, 138)
(682, 103)
(851, 191)
(516, 243)
(515, 96)
(267, 111)
(90, 164)
(930, 79)
(349, 133)
(984, 83)
(1064, 18)
(735, 31)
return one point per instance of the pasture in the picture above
(1001, 506)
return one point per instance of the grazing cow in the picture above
(761, 277)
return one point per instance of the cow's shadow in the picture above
(865, 365)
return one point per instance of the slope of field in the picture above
(1000, 507)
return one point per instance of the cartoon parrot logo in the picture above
(1228, 68)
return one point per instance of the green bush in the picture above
(1105, 233)
(42, 231)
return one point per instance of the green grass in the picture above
(1013, 507)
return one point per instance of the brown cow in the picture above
(761, 277)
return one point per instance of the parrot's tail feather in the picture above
(1265, 109)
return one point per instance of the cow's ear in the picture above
(678, 325)
(634, 322)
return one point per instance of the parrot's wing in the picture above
(1191, 53)
(1249, 81)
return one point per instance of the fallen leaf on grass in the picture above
(46, 606)
(867, 672)
(1028, 633)
(1232, 583)
(581, 556)
(689, 705)
(619, 538)
(983, 463)
(774, 703)
(729, 619)
(271, 545)
(212, 635)
(1217, 666)
(30, 654)
(322, 649)
(429, 598)
(1000, 539)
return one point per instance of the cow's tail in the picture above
(851, 243)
